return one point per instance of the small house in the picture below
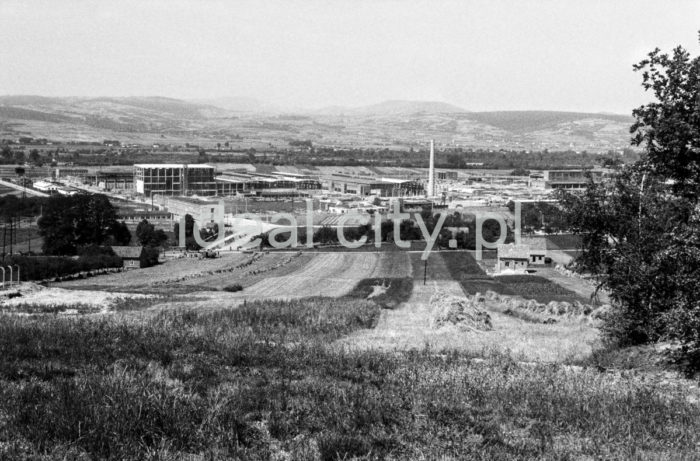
(538, 249)
(130, 256)
(513, 257)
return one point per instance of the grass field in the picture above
(162, 278)
(270, 381)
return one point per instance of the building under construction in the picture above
(382, 187)
(174, 179)
(197, 179)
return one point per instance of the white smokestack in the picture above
(431, 172)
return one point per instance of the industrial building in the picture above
(71, 173)
(382, 187)
(184, 180)
(174, 179)
(200, 210)
(266, 185)
(111, 180)
(564, 179)
(447, 175)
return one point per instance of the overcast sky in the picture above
(479, 55)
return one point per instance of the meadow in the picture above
(267, 381)
(200, 372)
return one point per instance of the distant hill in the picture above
(394, 107)
(109, 106)
(239, 104)
(522, 121)
(19, 113)
(393, 124)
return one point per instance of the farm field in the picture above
(274, 275)
(265, 266)
(408, 326)
(322, 377)
(395, 264)
(159, 278)
(327, 274)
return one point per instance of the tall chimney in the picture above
(431, 172)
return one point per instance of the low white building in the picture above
(45, 186)
(512, 257)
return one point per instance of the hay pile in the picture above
(560, 308)
(464, 313)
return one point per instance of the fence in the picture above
(10, 269)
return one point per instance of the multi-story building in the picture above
(174, 179)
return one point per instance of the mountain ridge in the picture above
(397, 123)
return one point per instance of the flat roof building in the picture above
(564, 179)
(382, 187)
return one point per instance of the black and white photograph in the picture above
(356, 230)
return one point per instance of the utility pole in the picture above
(425, 272)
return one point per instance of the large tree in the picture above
(640, 232)
(71, 222)
(669, 128)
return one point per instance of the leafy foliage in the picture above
(148, 257)
(669, 128)
(149, 236)
(233, 287)
(46, 267)
(640, 232)
(69, 222)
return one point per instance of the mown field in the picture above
(268, 381)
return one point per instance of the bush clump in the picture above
(234, 287)
(45, 267)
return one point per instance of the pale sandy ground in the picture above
(408, 327)
(31, 293)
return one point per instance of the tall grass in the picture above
(265, 381)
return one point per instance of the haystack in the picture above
(458, 311)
